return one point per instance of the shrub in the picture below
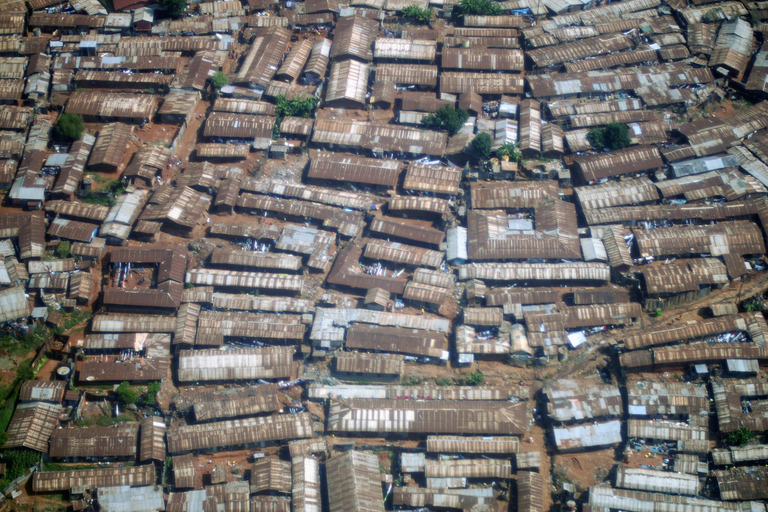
(297, 107)
(127, 394)
(753, 304)
(446, 118)
(19, 462)
(741, 436)
(509, 149)
(476, 378)
(174, 8)
(63, 249)
(219, 79)
(417, 14)
(480, 7)
(482, 144)
(69, 126)
(150, 397)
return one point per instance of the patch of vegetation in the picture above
(411, 380)
(753, 304)
(219, 79)
(482, 144)
(126, 394)
(105, 194)
(741, 104)
(168, 469)
(446, 118)
(16, 344)
(417, 14)
(476, 378)
(174, 8)
(712, 15)
(150, 397)
(480, 7)
(105, 421)
(473, 379)
(69, 126)
(510, 150)
(613, 136)
(19, 461)
(63, 249)
(76, 317)
(55, 466)
(297, 107)
(741, 437)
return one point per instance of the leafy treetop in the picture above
(446, 118)
(297, 107)
(613, 136)
(174, 8)
(511, 150)
(219, 79)
(480, 7)
(127, 394)
(70, 126)
(482, 144)
(417, 14)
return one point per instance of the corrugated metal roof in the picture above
(434, 416)
(50, 481)
(587, 436)
(239, 432)
(32, 425)
(236, 364)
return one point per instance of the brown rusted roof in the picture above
(341, 167)
(354, 483)
(615, 163)
(119, 441)
(187, 438)
(432, 416)
(396, 339)
(32, 425)
(380, 364)
(50, 481)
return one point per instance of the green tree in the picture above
(297, 107)
(63, 249)
(476, 378)
(19, 461)
(482, 145)
(446, 118)
(219, 79)
(70, 126)
(480, 7)
(174, 8)
(741, 436)
(753, 304)
(613, 136)
(616, 135)
(127, 394)
(595, 137)
(150, 397)
(417, 14)
(25, 371)
(511, 150)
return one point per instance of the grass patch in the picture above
(96, 387)
(55, 466)
(73, 319)
(105, 421)
(17, 346)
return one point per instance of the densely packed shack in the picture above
(367, 255)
